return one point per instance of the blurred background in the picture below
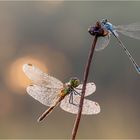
(53, 36)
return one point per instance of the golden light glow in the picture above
(16, 78)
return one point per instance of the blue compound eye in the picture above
(104, 21)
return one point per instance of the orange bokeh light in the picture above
(16, 78)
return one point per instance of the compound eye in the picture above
(106, 20)
(76, 83)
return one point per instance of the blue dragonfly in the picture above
(131, 30)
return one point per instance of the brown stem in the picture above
(86, 73)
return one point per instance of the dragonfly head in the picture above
(74, 82)
(104, 21)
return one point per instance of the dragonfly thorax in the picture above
(68, 87)
(66, 90)
(107, 25)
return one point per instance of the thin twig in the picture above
(86, 73)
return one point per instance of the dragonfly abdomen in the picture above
(51, 108)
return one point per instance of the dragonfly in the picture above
(131, 30)
(51, 92)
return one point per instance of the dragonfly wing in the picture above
(90, 88)
(40, 78)
(89, 107)
(129, 27)
(43, 94)
(131, 30)
(102, 42)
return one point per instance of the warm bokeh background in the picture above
(53, 36)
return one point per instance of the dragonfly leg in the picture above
(76, 93)
(71, 99)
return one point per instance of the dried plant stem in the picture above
(86, 73)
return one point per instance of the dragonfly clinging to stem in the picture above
(51, 92)
(131, 30)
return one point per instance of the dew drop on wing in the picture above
(90, 88)
(44, 95)
(38, 77)
(89, 107)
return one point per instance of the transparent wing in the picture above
(102, 42)
(129, 27)
(131, 30)
(40, 78)
(89, 107)
(44, 95)
(90, 88)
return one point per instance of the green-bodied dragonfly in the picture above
(51, 92)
